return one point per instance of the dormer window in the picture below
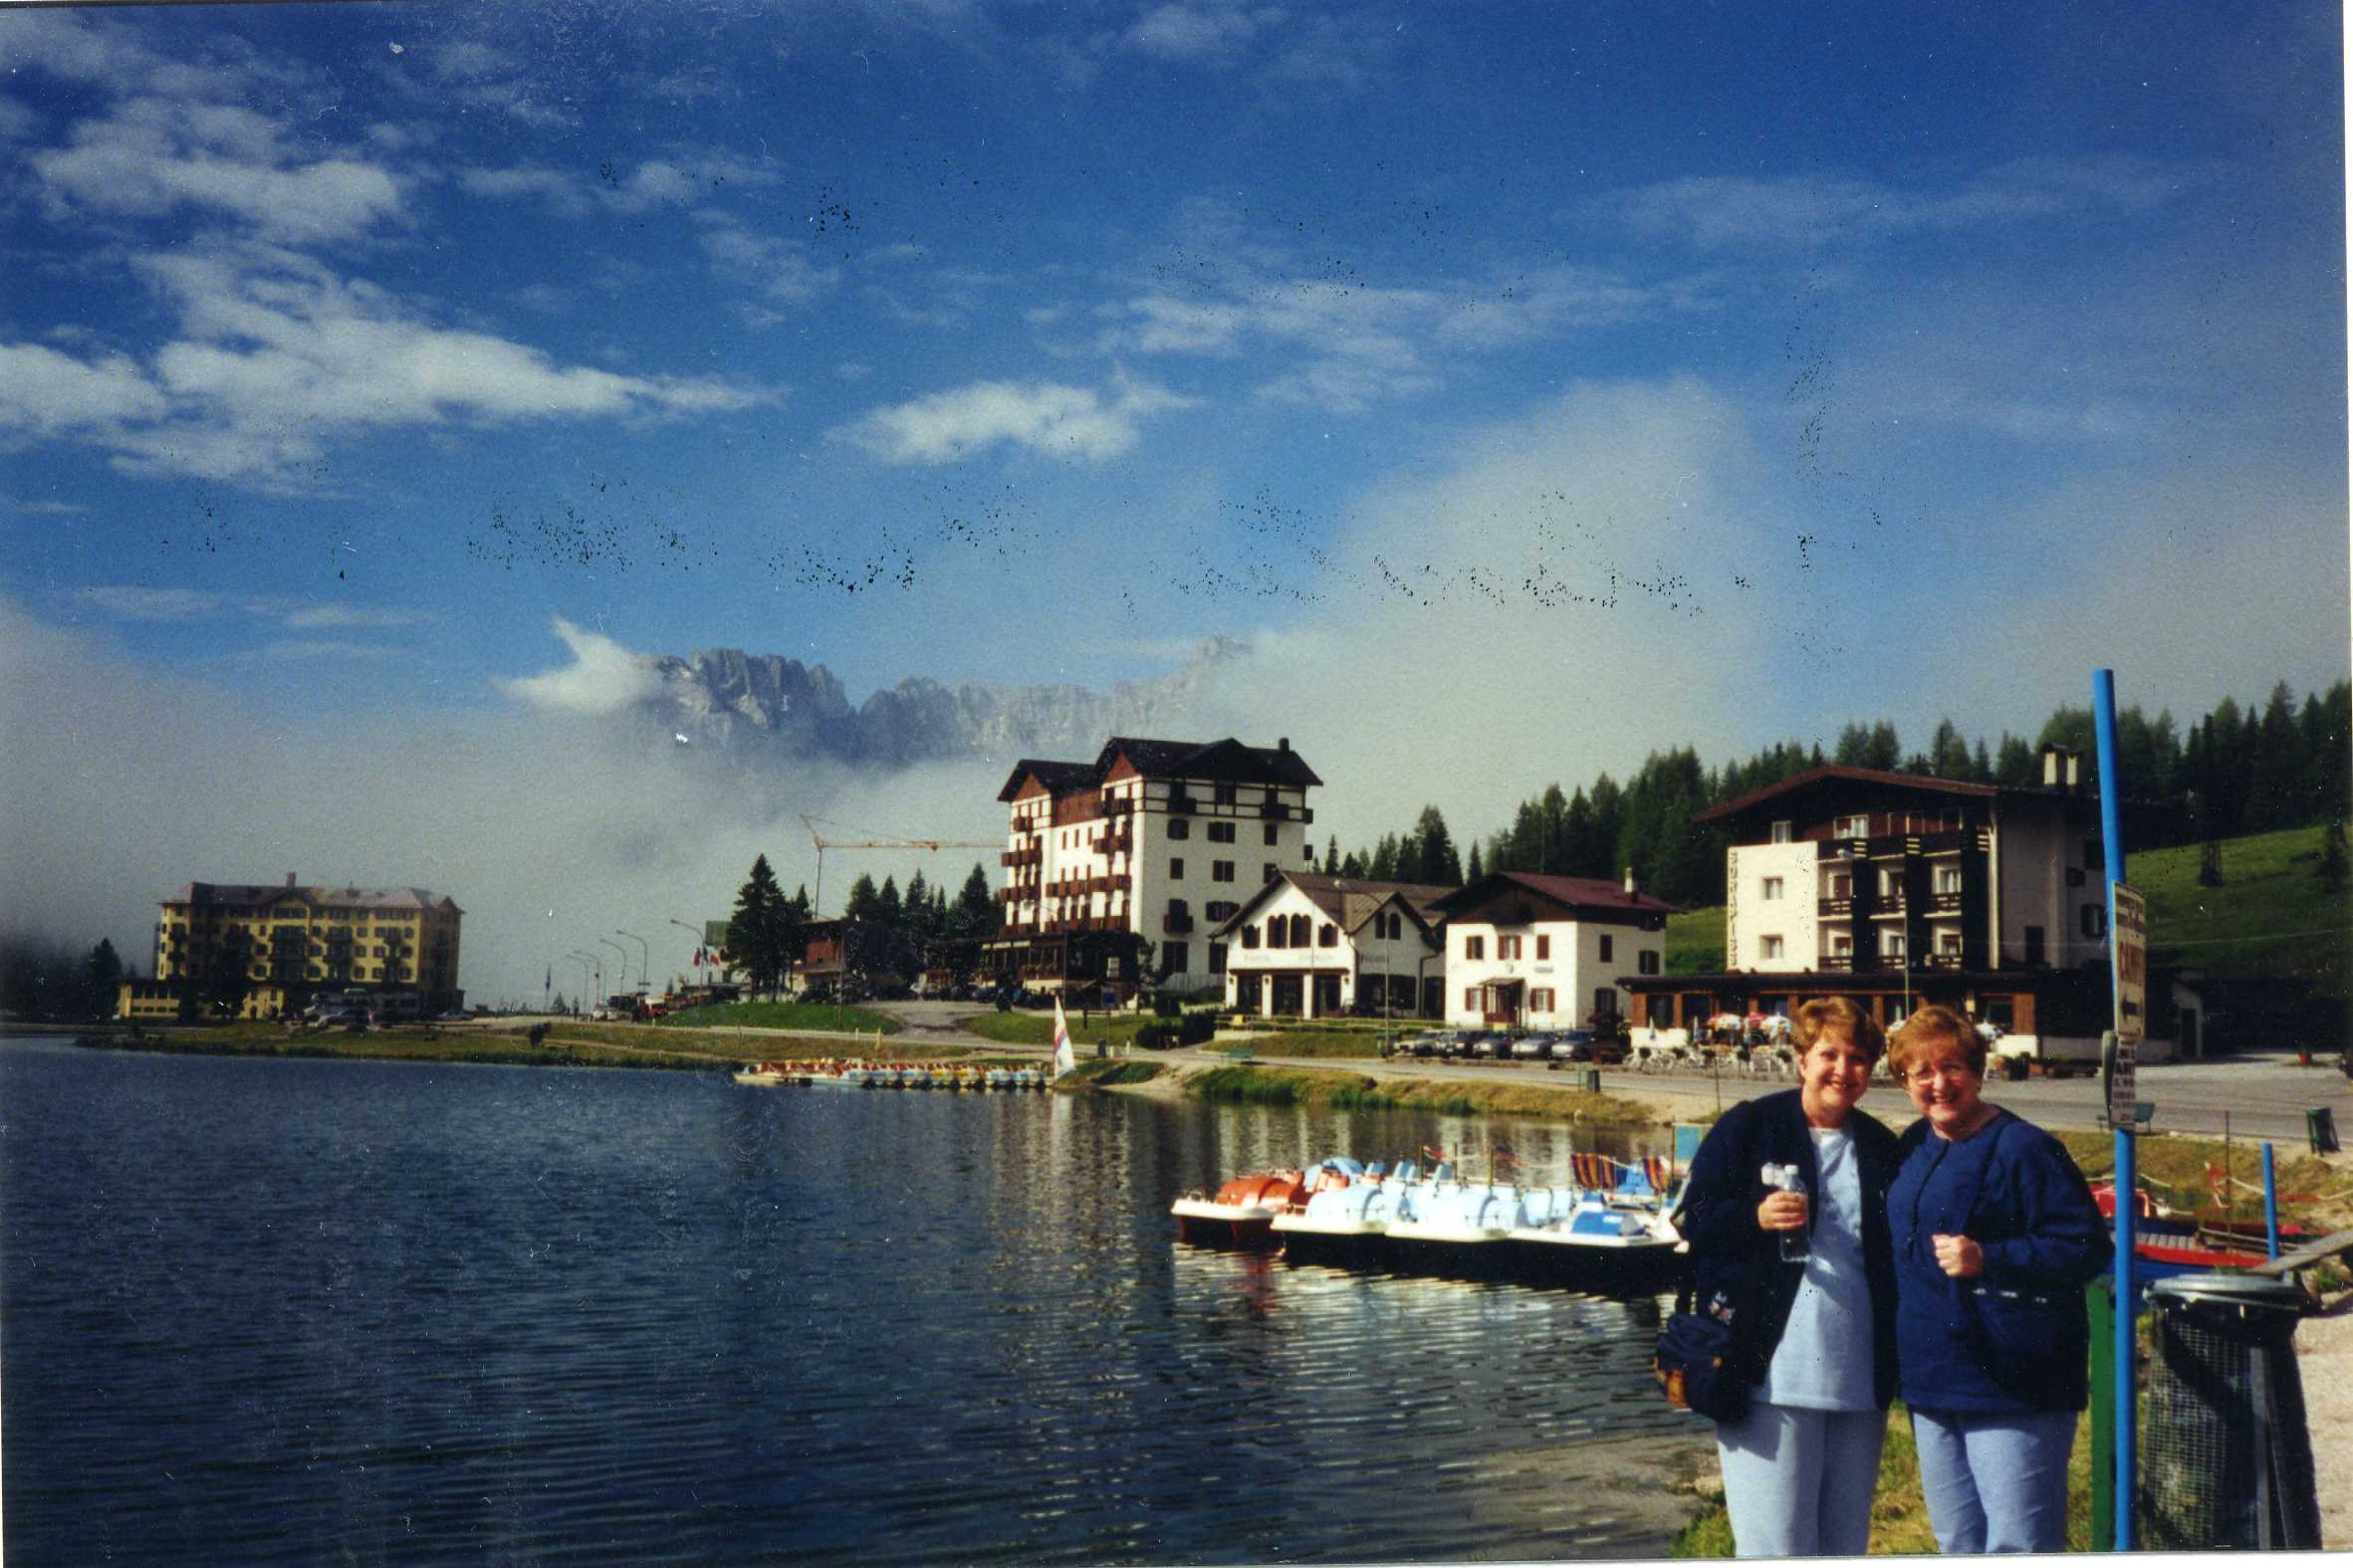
(1851, 827)
(1783, 831)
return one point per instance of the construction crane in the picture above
(879, 841)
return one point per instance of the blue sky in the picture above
(1545, 383)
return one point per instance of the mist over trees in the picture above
(2235, 771)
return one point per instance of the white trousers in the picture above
(1798, 1483)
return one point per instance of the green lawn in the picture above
(1037, 1028)
(1694, 941)
(2270, 917)
(782, 1016)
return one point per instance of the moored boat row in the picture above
(854, 1073)
(1609, 1230)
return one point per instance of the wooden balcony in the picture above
(1020, 858)
(1834, 908)
(1944, 904)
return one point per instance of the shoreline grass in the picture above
(1898, 1516)
(1255, 1085)
(1031, 1028)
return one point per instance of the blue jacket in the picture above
(1730, 1253)
(2012, 1189)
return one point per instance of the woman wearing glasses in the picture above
(1996, 1235)
(1808, 1287)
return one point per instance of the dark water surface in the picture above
(289, 1311)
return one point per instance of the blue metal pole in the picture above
(2270, 1208)
(2103, 697)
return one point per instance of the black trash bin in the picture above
(2228, 1458)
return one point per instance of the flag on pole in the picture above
(1065, 1058)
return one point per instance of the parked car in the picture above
(1490, 1043)
(1532, 1047)
(1574, 1046)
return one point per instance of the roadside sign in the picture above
(2129, 949)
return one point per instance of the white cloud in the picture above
(135, 601)
(1061, 421)
(778, 268)
(144, 604)
(1723, 212)
(155, 156)
(276, 354)
(1193, 32)
(50, 394)
(604, 677)
(1347, 345)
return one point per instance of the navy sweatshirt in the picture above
(1730, 1253)
(2031, 1214)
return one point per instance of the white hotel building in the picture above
(1898, 889)
(1154, 843)
(1311, 945)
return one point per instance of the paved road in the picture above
(2263, 1094)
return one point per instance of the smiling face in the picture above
(1831, 1076)
(1945, 1087)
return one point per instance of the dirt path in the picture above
(2324, 1356)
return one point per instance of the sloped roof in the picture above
(251, 895)
(1059, 779)
(1877, 778)
(1348, 900)
(1572, 892)
(1227, 759)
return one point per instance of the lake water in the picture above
(286, 1311)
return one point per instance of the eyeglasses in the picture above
(1946, 1070)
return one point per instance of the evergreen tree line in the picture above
(50, 980)
(888, 932)
(2236, 771)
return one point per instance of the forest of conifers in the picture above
(2236, 771)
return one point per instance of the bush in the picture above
(1192, 1028)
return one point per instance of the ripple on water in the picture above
(273, 1312)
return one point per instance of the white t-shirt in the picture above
(1824, 1360)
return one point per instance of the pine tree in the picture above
(975, 917)
(101, 980)
(1475, 872)
(760, 932)
(1438, 862)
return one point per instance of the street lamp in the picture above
(697, 933)
(625, 953)
(587, 968)
(644, 958)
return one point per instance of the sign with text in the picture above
(2129, 951)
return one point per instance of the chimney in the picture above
(290, 879)
(2061, 767)
(1282, 743)
(2074, 775)
(1629, 881)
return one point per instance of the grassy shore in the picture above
(1250, 1085)
(1340, 1044)
(1033, 1029)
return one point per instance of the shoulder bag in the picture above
(2036, 1344)
(1693, 1356)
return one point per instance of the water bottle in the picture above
(1796, 1246)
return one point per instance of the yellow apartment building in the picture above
(291, 941)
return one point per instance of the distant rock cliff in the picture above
(761, 705)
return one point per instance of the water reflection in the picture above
(285, 1311)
